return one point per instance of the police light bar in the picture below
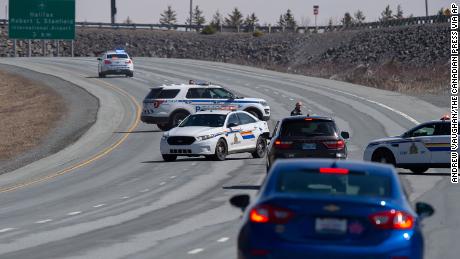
(119, 51)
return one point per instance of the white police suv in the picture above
(115, 62)
(422, 147)
(215, 134)
(167, 105)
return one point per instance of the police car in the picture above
(422, 147)
(115, 62)
(215, 134)
(167, 105)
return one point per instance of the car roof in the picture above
(223, 112)
(175, 86)
(303, 117)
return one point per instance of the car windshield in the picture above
(204, 120)
(306, 128)
(351, 184)
(117, 56)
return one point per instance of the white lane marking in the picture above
(43, 221)
(99, 205)
(125, 197)
(6, 230)
(257, 87)
(145, 190)
(284, 95)
(73, 213)
(224, 239)
(194, 163)
(275, 92)
(172, 177)
(266, 90)
(162, 183)
(291, 99)
(195, 251)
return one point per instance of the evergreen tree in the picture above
(168, 17)
(289, 19)
(399, 12)
(235, 19)
(216, 20)
(251, 21)
(347, 20)
(281, 21)
(359, 17)
(198, 17)
(128, 20)
(387, 14)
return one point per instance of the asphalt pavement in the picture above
(110, 195)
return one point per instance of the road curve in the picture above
(110, 195)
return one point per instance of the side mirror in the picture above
(231, 125)
(345, 134)
(423, 210)
(240, 201)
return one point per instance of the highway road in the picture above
(110, 195)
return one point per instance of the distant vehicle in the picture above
(326, 208)
(306, 136)
(215, 134)
(167, 105)
(115, 62)
(422, 147)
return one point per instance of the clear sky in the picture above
(268, 11)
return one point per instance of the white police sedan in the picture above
(422, 147)
(215, 134)
(115, 62)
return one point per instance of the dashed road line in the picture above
(172, 177)
(224, 239)
(99, 205)
(145, 190)
(125, 197)
(73, 213)
(195, 251)
(6, 230)
(43, 221)
(162, 183)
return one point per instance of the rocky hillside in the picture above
(412, 58)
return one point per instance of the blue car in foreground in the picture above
(324, 208)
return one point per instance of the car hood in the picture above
(193, 131)
(388, 139)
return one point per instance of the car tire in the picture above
(255, 113)
(419, 170)
(169, 158)
(221, 151)
(130, 74)
(261, 148)
(101, 75)
(164, 127)
(177, 117)
(384, 157)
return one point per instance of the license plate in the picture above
(308, 146)
(330, 226)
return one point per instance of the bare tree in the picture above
(347, 20)
(359, 16)
(399, 12)
(386, 14)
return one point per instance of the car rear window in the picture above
(306, 128)
(351, 184)
(160, 93)
(117, 56)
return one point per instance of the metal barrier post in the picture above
(43, 48)
(57, 48)
(72, 48)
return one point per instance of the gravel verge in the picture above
(80, 115)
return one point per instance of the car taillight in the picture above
(129, 61)
(107, 62)
(333, 170)
(157, 104)
(270, 214)
(283, 144)
(392, 219)
(336, 144)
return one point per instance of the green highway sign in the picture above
(41, 19)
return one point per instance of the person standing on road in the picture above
(297, 110)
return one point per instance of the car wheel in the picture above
(101, 75)
(164, 127)
(384, 157)
(221, 151)
(261, 148)
(130, 74)
(418, 170)
(177, 118)
(169, 158)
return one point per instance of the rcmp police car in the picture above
(215, 134)
(424, 146)
(167, 105)
(115, 62)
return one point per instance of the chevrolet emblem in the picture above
(331, 208)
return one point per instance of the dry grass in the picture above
(28, 111)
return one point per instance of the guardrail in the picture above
(269, 29)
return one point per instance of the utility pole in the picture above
(113, 10)
(191, 14)
(426, 7)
